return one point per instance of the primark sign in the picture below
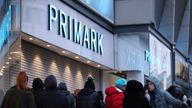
(74, 30)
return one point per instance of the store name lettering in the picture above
(151, 59)
(74, 30)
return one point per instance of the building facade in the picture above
(74, 39)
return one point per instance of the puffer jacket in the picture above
(87, 98)
(114, 98)
(162, 98)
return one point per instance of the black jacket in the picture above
(36, 93)
(87, 98)
(70, 98)
(51, 98)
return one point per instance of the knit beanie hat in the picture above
(89, 83)
(120, 82)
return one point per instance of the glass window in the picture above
(103, 7)
(160, 62)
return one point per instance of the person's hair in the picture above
(22, 79)
(38, 83)
(100, 94)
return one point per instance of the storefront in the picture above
(181, 70)
(9, 26)
(56, 39)
(160, 62)
(142, 54)
(190, 74)
(130, 52)
(190, 80)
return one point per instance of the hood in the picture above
(62, 86)
(50, 82)
(112, 90)
(155, 81)
(38, 83)
(86, 91)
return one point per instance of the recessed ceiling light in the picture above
(77, 57)
(98, 65)
(64, 52)
(88, 61)
(7, 63)
(10, 58)
(30, 38)
(48, 45)
(15, 52)
(1, 74)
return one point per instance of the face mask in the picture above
(147, 96)
(184, 98)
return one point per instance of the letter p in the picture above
(52, 15)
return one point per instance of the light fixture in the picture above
(98, 65)
(88, 61)
(48, 45)
(77, 57)
(63, 52)
(30, 38)
(15, 52)
(7, 63)
(1, 74)
(9, 58)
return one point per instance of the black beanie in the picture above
(90, 84)
(38, 83)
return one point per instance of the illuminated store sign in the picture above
(74, 30)
(149, 58)
(5, 28)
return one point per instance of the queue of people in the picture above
(131, 94)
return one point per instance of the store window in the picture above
(103, 7)
(160, 62)
(131, 49)
(9, 43)
(181, 67)
(190, 74)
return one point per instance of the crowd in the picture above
(131, 94)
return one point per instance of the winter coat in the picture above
(1, 96)
(114, 98)
(51, 97)
(70, 98)
(134, 96)
(15, 98)
(87, 98)
(162, 98)
(36, 93)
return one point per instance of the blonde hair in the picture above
(22, 80)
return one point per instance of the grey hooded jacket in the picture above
(162, 98)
